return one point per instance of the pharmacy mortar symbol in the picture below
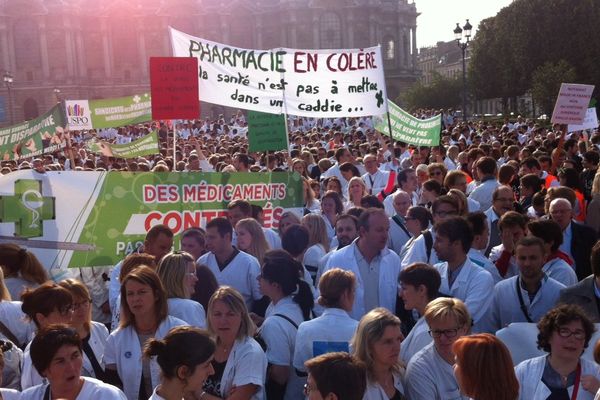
(27, 208)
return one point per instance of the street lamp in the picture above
(458, 36)
(8, 80)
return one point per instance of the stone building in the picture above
(78, 49)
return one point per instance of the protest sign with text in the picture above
(572, 103)
(110, 212)
(266, 132)
(410, 129)
(589, 122)
(39, 136)
(313, 83)
(143, 146)
(174, 87)
(108, 113)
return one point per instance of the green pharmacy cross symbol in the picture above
(27, 208)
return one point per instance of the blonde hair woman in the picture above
(21, 268)
(93, 334)
(177, 271)
(461, 199)
(318, 243)
(377, 344)
(239, 362)
(356, 191)
(251, 238)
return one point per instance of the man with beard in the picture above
(346, 230)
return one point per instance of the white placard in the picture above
(590, 121)
(315, 83)
(572, 103)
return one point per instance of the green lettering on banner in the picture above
(266, 131)
(39, 136)
(409, 129)
(144, 146)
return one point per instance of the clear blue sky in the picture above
(439, 17)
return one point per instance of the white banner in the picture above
(312, 83)
(589, 122)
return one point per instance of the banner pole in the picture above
(174, 145)
(285, 116)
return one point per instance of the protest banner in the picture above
(174, 87)
(410, 129)
(39, 136)
(572, 103)
(143, 146)
(266, 132)
(589, 122)
(311, 83)
(108, 113)
(109, 213)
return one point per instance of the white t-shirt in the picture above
(188, 310)
(91, 389)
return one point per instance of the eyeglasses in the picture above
(449, 333)
(82, 304)
(307, 390)
(579, 334)
(66, 310)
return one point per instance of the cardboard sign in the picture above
(590, 121)
(572, 103)
(266, 132)
(174, 87)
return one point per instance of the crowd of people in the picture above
(469, 270)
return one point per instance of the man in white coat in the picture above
(230, 266)
(460, 277)
(375, 179)
(399, 233)
(375, 266)
(527, 296)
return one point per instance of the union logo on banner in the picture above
(78, 114)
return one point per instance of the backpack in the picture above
(428, 243)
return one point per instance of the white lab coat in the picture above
(29, 375)
(480, 260)
(388, 277)
(374, 390)
(429, 377)
(417, 339)
(513, 268)
(397, 237)
(240, 273)
(98, 337)
(123, 350)
(560, 271)
(529, 374)
(418, 252)
(246, 364)
(187, 310)
(16, 321)
(332, 331)
(473, 286)
(506, 308)
(91, 389)
(380, 180)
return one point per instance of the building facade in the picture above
(89, 49)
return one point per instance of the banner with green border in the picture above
(39, 136)
(108, 113)
(143, 146)
(409, 129)
(95, 218)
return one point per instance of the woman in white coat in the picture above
(93, 334)
(177, 271)
(564, 332)
(57, 355)
(377, 344)
(144, 315)
(184, 357)
(240, 364)
(334, 329)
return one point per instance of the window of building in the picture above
(389, 48)
(330, 31)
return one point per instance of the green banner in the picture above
(143, 146)
(39, 136)
(266, 131)
(94, 218)
(409, 129)
(108, 113)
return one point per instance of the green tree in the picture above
(442, 93)
(546, 80)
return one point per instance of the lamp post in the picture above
(8, 80)
(458, 35)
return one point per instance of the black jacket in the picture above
(583, 238)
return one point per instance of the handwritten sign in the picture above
(313, 83)
(174, 87)
(266, 132)
(572, 103)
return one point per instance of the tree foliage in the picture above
(527, 34)
(546, 80)
(441, 93)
